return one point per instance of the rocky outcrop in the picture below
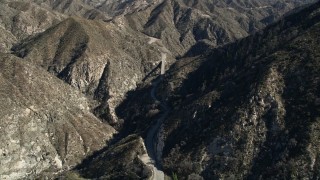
(46, 126)
(123, 160)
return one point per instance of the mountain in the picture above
(46, 126)
(104, 61)
(74, 8)
(123, 160)
(122, 89)
(21, 19)
(100, 58)
(181, 24)
(248, 110)
(96, 9)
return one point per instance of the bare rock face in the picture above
(45, 124)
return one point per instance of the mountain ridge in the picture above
(85, 83)
(266, 82)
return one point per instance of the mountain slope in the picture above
(46, 126)
(20, 19)
(123, 160)
(247, 110)
(96, 9)
(103, 60)
(79, 8)
(181, 24)
(251, 109)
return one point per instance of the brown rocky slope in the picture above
(206, 133)
(21, 19)
(102, 60)
(181, 24)
(46, 126)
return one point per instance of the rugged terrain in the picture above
(101, 59)
(250, 109)
(45, 124)
(247, 110)
(104, 61)
(180, 24)
(82, 95)
(21, 19)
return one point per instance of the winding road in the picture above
(150, 141)
(153, 153)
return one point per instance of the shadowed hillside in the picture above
(250, 109)
(82, 93)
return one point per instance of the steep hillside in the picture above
(46, 126)
(81, 8)
(181, 24)
(103, 60)
(20, 19)
(247, 110)
(118, 7)
(85, 91)
(96, 9)
(251, 109)
(123, 160)
(7, 40)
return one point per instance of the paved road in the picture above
(154, 154)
